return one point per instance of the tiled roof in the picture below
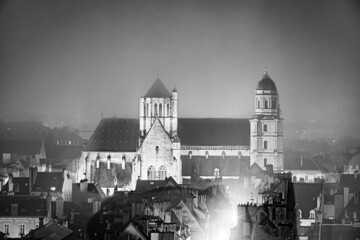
(64, 152)
(21, 147)
(53, 231)
(21, 185)
(352, 181)
(307, 201)
(115, 134)
(158, 90)
(229, 166)
(46, 180)
(214, 131)
(148, 185)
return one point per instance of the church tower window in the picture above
(266, 104)
(151, 173)
(265, 144)
(265, 127)
(155, 109)
(147, 110)
(162, 172)
(168, 109)
(160, 110)
(273, 104)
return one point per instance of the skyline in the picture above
(80, 58)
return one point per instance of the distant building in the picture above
(160, 144)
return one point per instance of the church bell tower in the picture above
(266, 127)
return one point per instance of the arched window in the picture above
(239, 155)
(258, 104)
(273, 104)
(265, 162)
(216, 172)
(162, 172)
(265, 144)
(151, 173)
(223, 155)
(160, 110)
(168, 109)
(147, 110)
(266, 104)
(190, 154)
(312, 214)
(207, 154)
(265, 128)
(157, 149)
(155, 110)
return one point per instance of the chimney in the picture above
(32, 177)
(83, 185)
(10, 183)
(59, 207)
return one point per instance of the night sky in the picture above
(70, 59)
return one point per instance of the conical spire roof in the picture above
(158, 90)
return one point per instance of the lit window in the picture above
(52, 188)
(162, 172)
(265, 128)
(151, 173)
(6, 229)
(22, 230)
(190, 154)
(265, 144)
(69, 142)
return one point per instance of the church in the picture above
(160, 144)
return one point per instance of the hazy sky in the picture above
(72, 58)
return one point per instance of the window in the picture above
(273, 104)
(223, 155)
(157, 149)
(258, 104)
(147, 110)
(265, 144)
(190, 154)
(151, 173)
(265, 128)
(22, 230)
(216, 173)
(160, 110)
(266, 104)
(265, 162)
(6, 229)
(312, 214)
(168, 109)
(207, 154)
(155, 109)
(239, 155)
(162, 172)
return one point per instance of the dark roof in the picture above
(266, 83)
(229, 166)
(78, 196)
(158, 90)
(21, 185)
(352, 181)
(115, 134)
(307, 201)
(27, 205)
(214, 131)
(67, 152)
(51, 230)
(21, 147)
(302, 163)
(46, 180)
(148, 185)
